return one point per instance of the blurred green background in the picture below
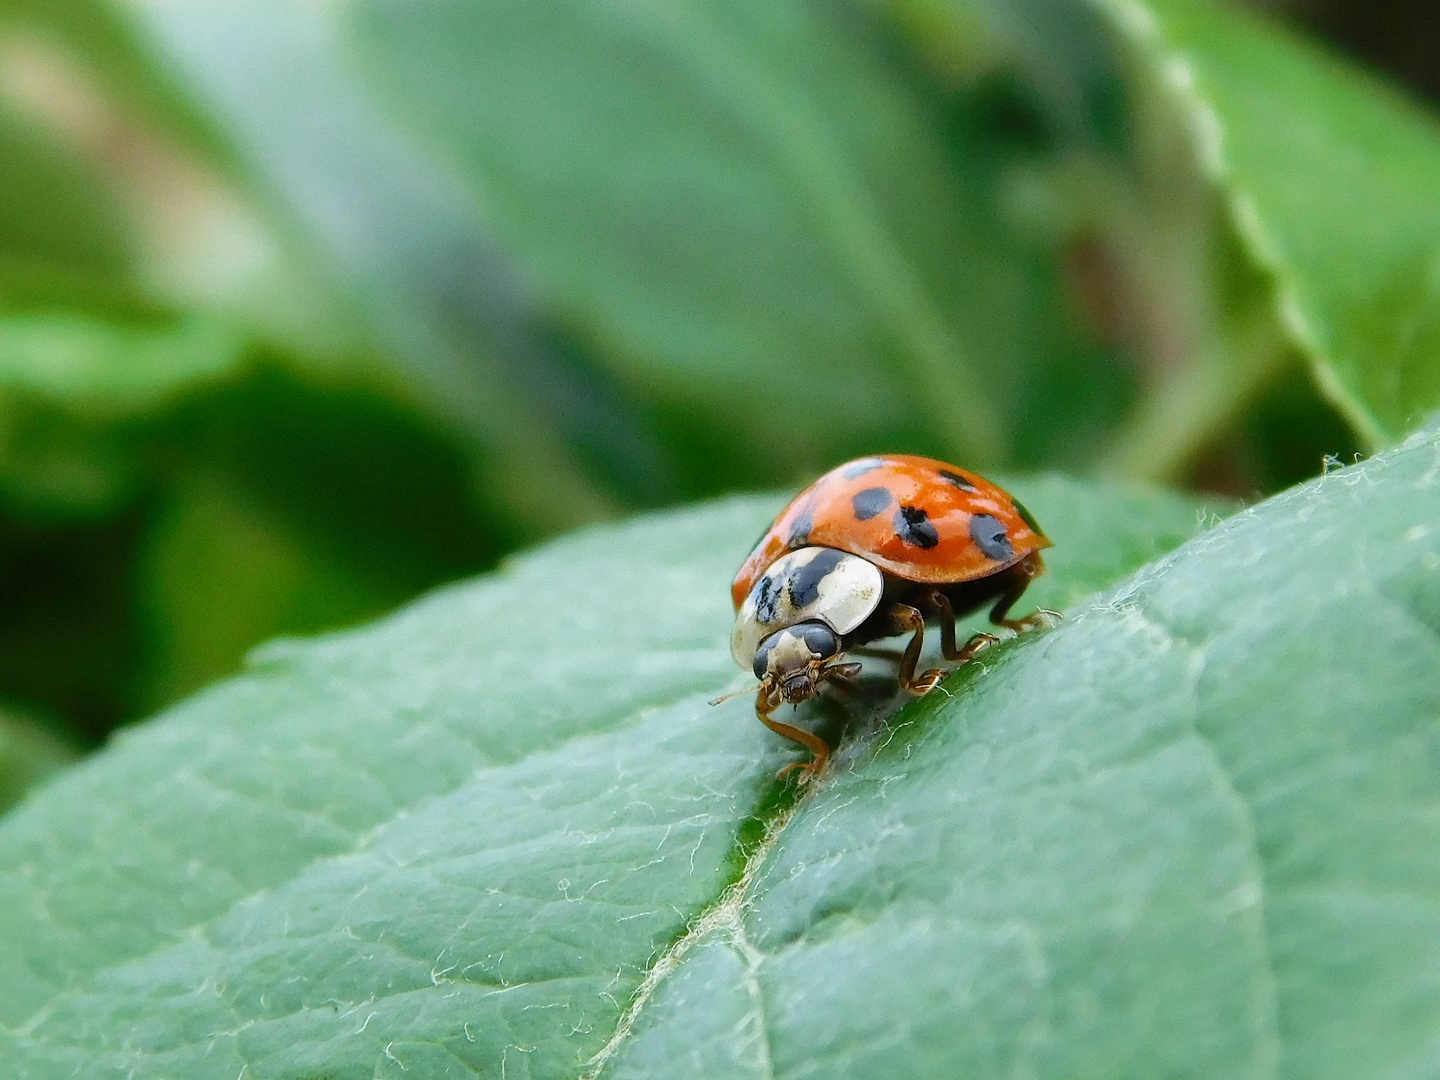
(308, 307)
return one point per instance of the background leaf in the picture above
(394, 240)
(710, 203)
(1209, 169)
(29, 753)
(1302, 147)
(472, 767)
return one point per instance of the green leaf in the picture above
(66, 639)
(220, 572)
(100, 368)
(1209, 170)
(393, 233)
(101, 35)
(171, 497)
(56, 213)
(29, 753)
(666, 171)
(1191, 832)
(68, 383)
(1331, 179)
(452, 841)
(292, 508)
(726, 200)
(606, 335)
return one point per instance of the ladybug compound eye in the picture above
(820, 640)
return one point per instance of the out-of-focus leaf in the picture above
(68, 385)
(102, 35)
(510, 302)
(55, 213)
(1267, 208)
(400, 238)
(252, 503)
(111, 370)
(751, 210)
(69, 639)
(1213, 171)
(450, 842)
(293, 508)
(29, 752)
(1332, 182)
(219, 574)
(1149, 251)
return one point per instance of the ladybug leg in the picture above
(765, 704)
(977, 643)
(905, 618)
(1040, 619)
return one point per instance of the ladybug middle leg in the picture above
(940, 603)
(904, 619)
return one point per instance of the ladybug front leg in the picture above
(765, 704)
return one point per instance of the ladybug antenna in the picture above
(736, 693)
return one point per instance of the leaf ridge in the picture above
(725, 915)
(752, 958)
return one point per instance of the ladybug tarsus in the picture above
(765, 703)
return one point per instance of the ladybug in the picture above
(871, 550)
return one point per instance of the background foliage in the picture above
(308, 308)
(304, 308)
(1159, 838)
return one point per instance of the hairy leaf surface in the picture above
(453, 840)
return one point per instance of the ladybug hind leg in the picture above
(1040, 619)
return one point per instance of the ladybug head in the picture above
(791, 663)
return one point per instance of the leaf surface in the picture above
(451, 841)
(1191, 832)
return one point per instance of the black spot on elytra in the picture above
(800, 530)
(989, 536)
(821, 640)
(912, 525)
(861, 467)
(956, 479)
(805, 580)
(767, 599)
(870, 502)
(1026, 517)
